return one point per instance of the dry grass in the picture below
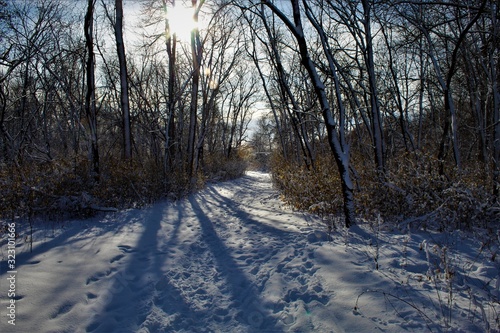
(63, 188)
(411, 191)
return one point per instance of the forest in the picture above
(361, 109)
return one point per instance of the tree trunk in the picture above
(495, 68)
(170, 122)
(336, 135)
(193, 110)
(473, 85)
(269, 99)
(378, 144)
(286, 93)
(124, 99)
(405, 133)
(90, 100)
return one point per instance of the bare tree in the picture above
(372, 80)
(335, 126)
(222, 51)
(90, 96)
(196, 57)
(398, 70)
(171, 46)
(444, 76)
(117, 23)
(494, 76)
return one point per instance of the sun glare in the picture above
(181, 22)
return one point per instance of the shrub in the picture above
(316, 190)
(63, 188)
(412, 192)
(416, 192)
(217, 167)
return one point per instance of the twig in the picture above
(386, 295)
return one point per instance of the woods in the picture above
(392, 81)
(367, 107)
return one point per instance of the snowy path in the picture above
(228, 259)
(202, 264)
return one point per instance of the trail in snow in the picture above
(230, 258)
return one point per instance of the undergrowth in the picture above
(410, 194)
(64, 188)
(452, 286)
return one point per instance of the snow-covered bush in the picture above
(409, 192)
(64, 187)
(416, 192)
(50, 189)
(316, 190)
(218, 167)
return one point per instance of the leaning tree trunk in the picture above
(286, 92)
(336, 135)
(270, 100)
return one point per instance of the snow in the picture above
(233, 258)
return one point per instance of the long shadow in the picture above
(252, 310)
(232, 206)
(142, 280)
(23, 256)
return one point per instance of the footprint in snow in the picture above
(91, 296)
(96, 277)
(308, 268)
(126, 248)
(307, 296)
(63, 309)
(116, 258)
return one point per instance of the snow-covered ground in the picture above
(232, 258)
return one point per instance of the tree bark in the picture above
(124, 97)
(335, 132)
(171, 46)
(495, 68)
(196, 49)
(90, 98)
(378, 143)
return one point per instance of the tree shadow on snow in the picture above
(155, 291)
(253, 311)
(141, 294)
(233, 209)
(66, 236)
